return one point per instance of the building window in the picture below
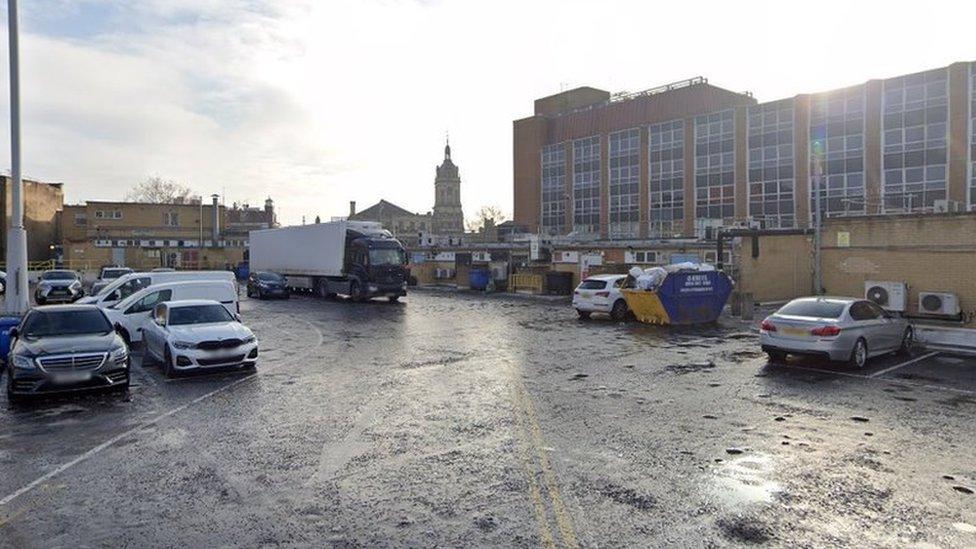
(554, 189)
(586, 185)
(81, 219)
(624, 158)
(666, 178)
(171, 219)
(643, 257)
(108, 214)
(915, 141)
(771, 182)
(715, 168)
(837, 140)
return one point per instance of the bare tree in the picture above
(485, 213)
(156, 190)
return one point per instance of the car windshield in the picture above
(198, 314)
(270, 277)
(58, 275)
(591, 284)
(386, 256)
(65, 323)
(819, 308)
(109, 274)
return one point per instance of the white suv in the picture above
(601, 294)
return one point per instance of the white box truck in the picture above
(358, 259)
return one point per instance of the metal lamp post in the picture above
(16, 299)
(817, 231)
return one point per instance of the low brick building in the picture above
(180, 235)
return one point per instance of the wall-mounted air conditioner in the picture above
(943, 206)
(890, 295)
(938, 303)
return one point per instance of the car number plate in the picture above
(70, 377)
(795, 331)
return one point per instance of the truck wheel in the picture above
(356, 291)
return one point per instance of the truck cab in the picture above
(375, 265)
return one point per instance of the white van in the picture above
(133, 313)
(126, 285)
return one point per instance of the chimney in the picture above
(216, 219)
(352, 208)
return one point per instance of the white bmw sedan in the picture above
(198, 334)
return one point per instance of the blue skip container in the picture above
(685, 297)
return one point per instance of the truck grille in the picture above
(220, 344)
(67, 363)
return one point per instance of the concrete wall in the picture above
(928, 252)
(42, 207)
(783, 270)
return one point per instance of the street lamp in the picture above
(16, 301)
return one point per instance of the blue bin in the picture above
(478, 278)
(6, 323)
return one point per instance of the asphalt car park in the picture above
(468, 420)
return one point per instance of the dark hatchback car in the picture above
(61, 348)
(264, 284)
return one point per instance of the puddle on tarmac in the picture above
(746, 479)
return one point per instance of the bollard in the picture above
(746, 304)
(736, 303)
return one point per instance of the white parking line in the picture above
(903, 364)
(64, 467)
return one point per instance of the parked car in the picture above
(107, 275)
(133, 314)
(198, 334)
(267, 284)
(601, 294)
(836, 328)
(163, 270)
(126, 285)
(65, 348)
(58, 286)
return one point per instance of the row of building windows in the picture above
(914, 162)
(914, 140)
(554, 189)
(586, 185)
(666, 182)
(771, 181)
(624, 158)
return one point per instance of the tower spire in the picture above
(447, 146)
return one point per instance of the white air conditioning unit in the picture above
(938, 303)
(890, 295)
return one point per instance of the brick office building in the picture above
(677, 160)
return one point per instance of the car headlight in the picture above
(23, 362)
(250, 339)
(76, 285)
(119, 354)
(184, 345)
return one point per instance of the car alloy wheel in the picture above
(619, 311)
(859, 356)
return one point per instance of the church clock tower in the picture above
(448, 217)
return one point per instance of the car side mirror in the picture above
(159, 320)
(13, 333)
(114, 296)
(237, 317)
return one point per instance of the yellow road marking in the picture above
(531, 433)
(538, 505)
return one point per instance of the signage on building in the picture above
(534, 254)
(843, 239)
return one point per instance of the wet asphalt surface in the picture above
(457, 420)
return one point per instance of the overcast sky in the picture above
(316, 103)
